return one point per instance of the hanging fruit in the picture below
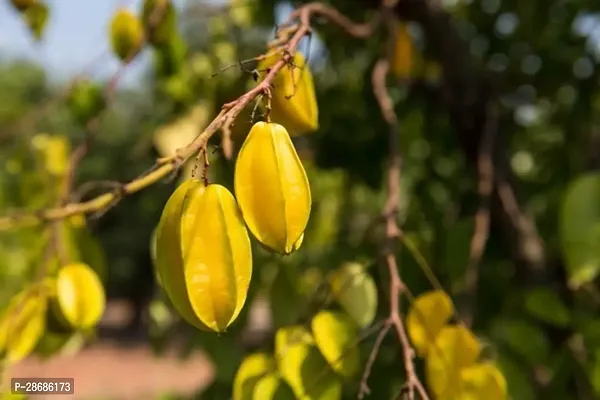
(203, 255)
(402, 61)
(85, 101)
(160, 21)
(126, 34)
(23, 323)
(80, 299)
(36, 18)
(272, 188)
(22, 5)
(293, 103)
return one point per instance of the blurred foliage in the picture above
(543, 58)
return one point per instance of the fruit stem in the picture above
(268, 105)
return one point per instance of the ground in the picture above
(118, 369)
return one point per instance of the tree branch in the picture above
(364, 388)
(481, 230)
(466, 93)
(392, 230)
(167, 165)
(397, 286)
(93, 124)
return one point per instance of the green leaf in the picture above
(82, 246)
(303, 367)
(519, 385)
(272, 387)
(85, 101)
(336, 337)
(252, 369)
(456, 248)
(285, 301)
(54, 344)
(547, 306)
(594, 371)
(225, 352)
(527, 339)
(580, 229)
(355, 291)
(455, 349)
(427, 315)
(589, 327)
(240, 13)
(169, 59)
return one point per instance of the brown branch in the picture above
(526, 240)
(397, 286)
(90, 186)
(364, 388)
(380, 72)
(465, 96)
(167, 165)
(485, 189)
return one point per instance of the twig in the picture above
(240, 64)
(93, 125)
(364, 388)
(485, 189)
(167, 165)
(463, 99)
(526, 238)
(28, 121)
(378, 327)
(397, 286)
(33, 116)
(87, 187)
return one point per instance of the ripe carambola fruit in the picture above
(294, 103)
(126, 34)
(36, 18)
(80, 299)
(203, 255)
(403, 54)
(272, 188)
(22, 322)
(159, 31)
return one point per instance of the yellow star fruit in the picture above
(293, 103)
(272, 188)
(203, 255)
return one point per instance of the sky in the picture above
(76, 38)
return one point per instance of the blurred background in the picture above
(535, 300)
